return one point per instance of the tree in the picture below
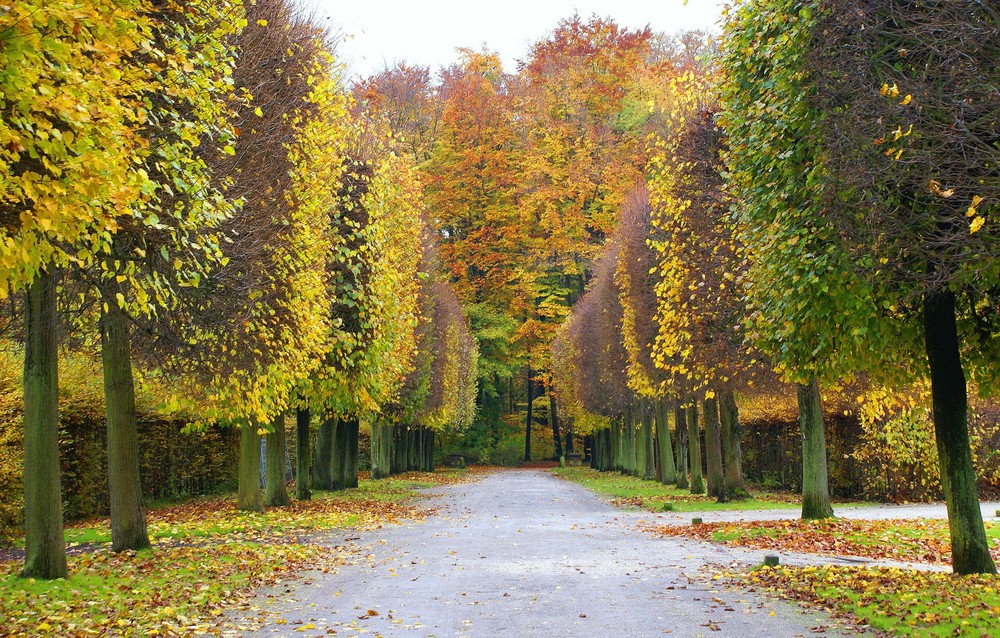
(915, 165)
(65, 164)
(808, 310)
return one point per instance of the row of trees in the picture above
(820, 202)
(525, 173)
(193, 184)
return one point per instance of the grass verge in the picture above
(898, 602)
(919, 540)
(653, 496)
(206, 557)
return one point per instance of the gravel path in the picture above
(522, 553)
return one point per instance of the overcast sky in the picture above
(380, 33)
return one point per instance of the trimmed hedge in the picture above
(172, 463)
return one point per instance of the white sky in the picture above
(380, 33)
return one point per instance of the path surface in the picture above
(522, 553)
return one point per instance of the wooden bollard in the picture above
(696, 521)
(771, 561)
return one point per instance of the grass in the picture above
(182, 587)
(326, 510)
(918, 540)
(651, 495)
(898, 602)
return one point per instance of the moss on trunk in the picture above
(248, 497)
(732, 451)
(128, 521)
(667, 471)
(302, 457)
(815, 484)
(680, 426)
(44, 546)
(713, 448)
(694, 451)
(969, 546)
(275, 489)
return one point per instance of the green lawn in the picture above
(185, 586)
(898, 602)
(654, 496)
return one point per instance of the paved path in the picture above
(522, 554)
(873, 512)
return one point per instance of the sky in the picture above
(377, 33)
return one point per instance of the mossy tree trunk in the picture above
(128, 521)
(713, 448)
(338, 459)
(428, 450)
(275, 489)
(554, 420)
(302, 457)
(694, 451)
(732, 451)
(630, 450)
(969, 546)
(249, 497)
(352, 453)
(649, 452)
(815, 484)
(44, 545)
(667, 470)
(322, 478)
(527, 420)
(680, 426)
(568, 447)
(381, 450)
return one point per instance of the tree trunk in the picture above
(527, 421)
(630, 450)
(302, 459)
(815, 485)
(569, 436)
(969, 546)
(44, 545)
(351, 453)
(322, 478)
(554, 420)
(680, 426)
(713, 448)
(429, 450)
(694, 451)
(338, 456)
(648, 451)
(275, 490)
(128, 522)
(668, 471)
(732, 452)
(249, 498)
(381, 445)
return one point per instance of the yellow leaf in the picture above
(906, 100)
(306, 627)
(44, 627)
(977, 223)
(262, 22)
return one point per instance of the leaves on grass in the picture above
(207, 557)
(900, 540)
(902, 602)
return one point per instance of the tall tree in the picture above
(68, 179)
(916, 167)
